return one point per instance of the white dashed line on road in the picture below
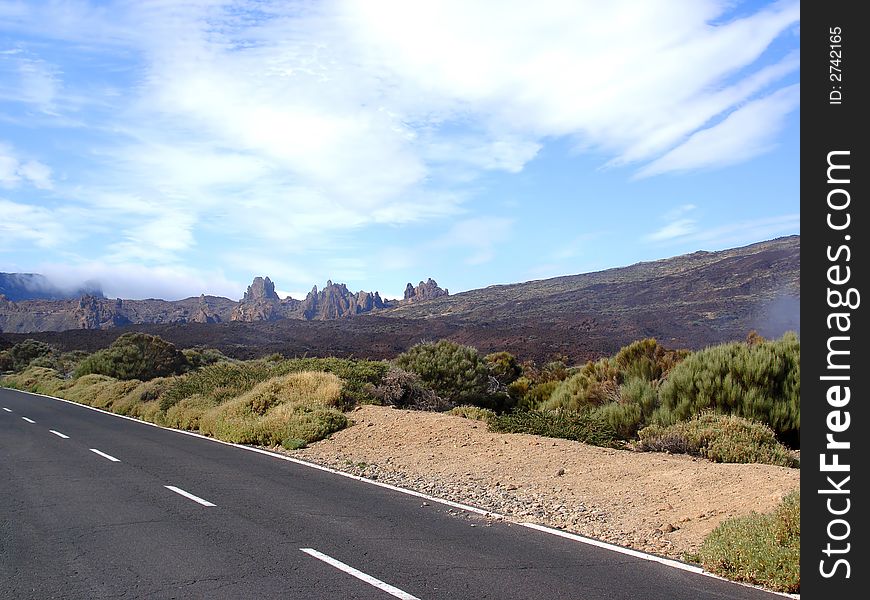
(386, 587)
(28, 420)
(58, 434)
(7, 409)
(189, 495)
(104, 455)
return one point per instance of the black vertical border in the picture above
(827, 127)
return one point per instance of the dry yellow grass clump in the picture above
(290, 410)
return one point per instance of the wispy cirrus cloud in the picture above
(746, 133)
(690, 231)
(679, 224)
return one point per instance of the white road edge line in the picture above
(7, 409)
(104, 455)
(189, 495)
(636, 553)
(386, 587)
(58, 434)
(28, 420)
(672, 563)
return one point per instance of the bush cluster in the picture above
(720, 438)
(455, 372)
(604, 381)
(758, 381)
(135, 356)
(19, 356)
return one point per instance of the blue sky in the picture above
(171, 148)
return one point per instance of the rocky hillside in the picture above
(688, 301)
(698, 298)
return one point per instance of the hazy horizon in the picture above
(73, 286)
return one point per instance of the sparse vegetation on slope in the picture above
(271, 401)
(763, 549)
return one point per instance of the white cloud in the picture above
(34, 224)
(747, 132)
(14, 172)
(136, 281)
(361, 101)
(297, 124)
(38, 174)
(678, 228)
(728, 235)
(679, 225)
(39, 84)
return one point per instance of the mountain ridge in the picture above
(687, 301)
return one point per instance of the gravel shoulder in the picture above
(655, 502)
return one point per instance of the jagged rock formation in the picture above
(335, 301)
(98, 313)
(424, 291)
(260, 303)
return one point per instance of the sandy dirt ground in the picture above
(655, 502)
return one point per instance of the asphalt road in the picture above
(96, 506)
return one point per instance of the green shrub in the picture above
(720, 438)
(595, 384)
(106, 395)
(583, 427)
(625, 419)
(475, 413)
(504, 367)
(553, 370)
(202, 357)
(455, 372)
(21, 355)
(87, 388)
(537, 395)
(135, 356)
(292, 443)
(311, 423)
(761, 549)
(646, 360)
(759, 381)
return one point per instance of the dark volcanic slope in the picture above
(688, 301)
